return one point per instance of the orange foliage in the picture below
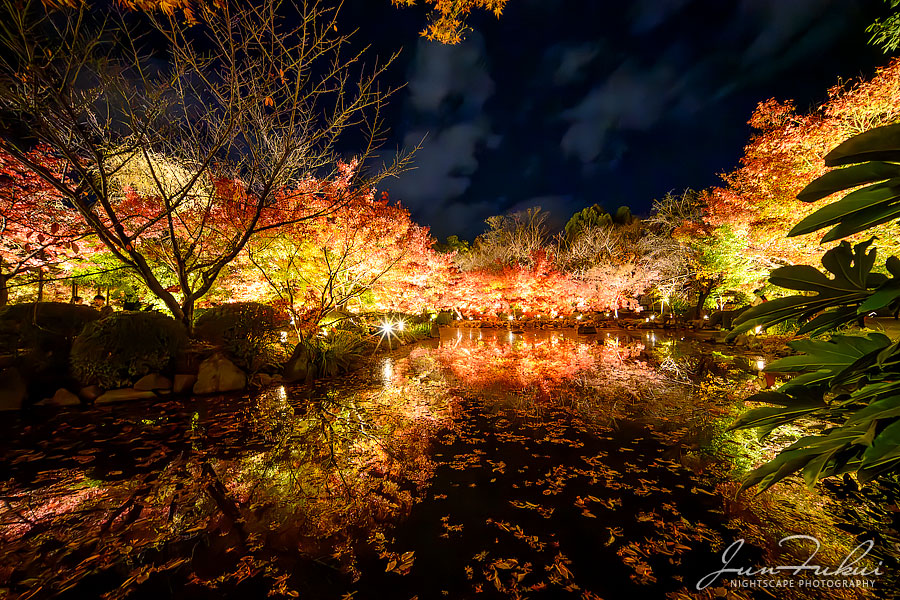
(447, 21)
(759, 198)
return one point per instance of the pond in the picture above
(485, 464)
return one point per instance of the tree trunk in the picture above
(4, 290)
(40, 297)
(187, 316)
(702, 295)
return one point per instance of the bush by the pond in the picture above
(120, 349)
(42, 326)
(249, 332)
(444, 318)
(337, 351)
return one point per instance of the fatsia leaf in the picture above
(829, 319)
(863, 201)
(831, 355)
(849, 287)
(771, 416)
(796, 456)
(807, 381)
(880, 143)
(864, 220)
(850, 177)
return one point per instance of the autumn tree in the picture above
(695, 260)
(758, 200)
(232, 135)
(367, 256)
(512, 239)
(37, 230)
(446, 23)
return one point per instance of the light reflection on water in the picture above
(307, 468)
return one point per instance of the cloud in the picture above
(650, 14)
(443, 167)
(573, 62)
(776, 23)
(443, 72)
(630, 99)
(448, 88)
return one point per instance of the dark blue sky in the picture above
(565, 103)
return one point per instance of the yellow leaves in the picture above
(401, 564)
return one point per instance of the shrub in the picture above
(444, 318)
(249, 331)
(43, 326)
(120, 349)
(338, 351)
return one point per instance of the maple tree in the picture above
(447, 20)
(365, 256)
(758, 201)
(174, 188)
(37, 230)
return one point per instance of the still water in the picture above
(485, 464)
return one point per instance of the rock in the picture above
(62, 397)
(218, 374)
(123, 395)
(261, 380)
(13, 389)
(184, 383)
(300, 366)
(90, 393)
(153, 381)
(745, 339)
(586, 329)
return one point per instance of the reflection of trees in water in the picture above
(608, 376)
(249, 490)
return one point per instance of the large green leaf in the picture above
(796, 456)
(881, 143)
(886, 406)
(864, 220)
(851, 269)
(863, 201)
(850, 381)
(885, 447)
(850, 177)
(831, 355)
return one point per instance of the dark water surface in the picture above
(483, 465)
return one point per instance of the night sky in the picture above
(565, 103)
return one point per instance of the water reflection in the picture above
(219, 494)
(517, 461)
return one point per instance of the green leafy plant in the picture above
(249, 332)
(846, 388)
(338, 351)
(120, 349)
